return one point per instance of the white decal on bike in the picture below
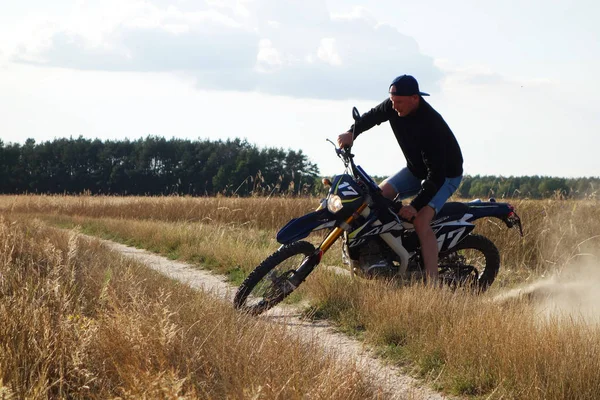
(462, 221)
(354, 243)
(440, 241)
(325, 225)
(374, 231)
(439, 221)
(349, 191)
(457, 235)
(383, 228)
(355, 232)
(454, 235)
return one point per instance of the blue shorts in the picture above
(407, 185)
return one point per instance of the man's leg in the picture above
(403, 183)
(422, 223)
(429, 247)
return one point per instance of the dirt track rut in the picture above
(392, 383)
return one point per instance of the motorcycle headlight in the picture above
(334, 203)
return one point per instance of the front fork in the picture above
(314, 259)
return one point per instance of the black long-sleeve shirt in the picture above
(431, 150)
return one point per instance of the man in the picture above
(434, 160)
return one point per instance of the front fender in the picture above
(301, 227)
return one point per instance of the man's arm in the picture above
(434, 157)
(375, 116)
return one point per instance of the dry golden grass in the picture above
(225, 248)
(81, 322)
(467, 344)
(556, 231)
(256, 212)
(464, 344)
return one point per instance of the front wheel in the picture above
(268, 284)
(474, 261)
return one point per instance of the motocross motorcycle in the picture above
(376, 241)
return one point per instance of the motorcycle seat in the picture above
(452, 208)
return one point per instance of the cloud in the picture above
(477, 75)
(268, 57)
(292, 48)
(327, 52)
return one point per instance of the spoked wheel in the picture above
(474, 262)
(268, 284)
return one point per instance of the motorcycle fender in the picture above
(299, 228)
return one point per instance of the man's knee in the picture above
(387, 190)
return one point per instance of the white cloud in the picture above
(237, 7)
(357, 13)
(268, 58)
(484, 75)
(177, 29)
(328, 53)
(223, 38)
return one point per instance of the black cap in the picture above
(406, 85)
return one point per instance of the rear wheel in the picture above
(268, 284)
(474, 261)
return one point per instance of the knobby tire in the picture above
(490, 252)
(259, 273)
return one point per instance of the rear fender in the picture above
(503, 211)
(299, 228)
(481, 209)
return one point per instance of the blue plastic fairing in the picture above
(478, 209)
(299, 228)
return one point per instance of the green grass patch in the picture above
(346, 318)
(236, 275)
(295, 297)
(397, 354)
(431, 362)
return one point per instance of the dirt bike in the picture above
(377, 242)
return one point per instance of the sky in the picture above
(516, 81)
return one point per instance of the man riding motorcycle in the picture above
(434, 159)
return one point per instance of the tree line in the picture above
(153, 166)
(530, 187)
(156, 166)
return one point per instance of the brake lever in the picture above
(338, 151)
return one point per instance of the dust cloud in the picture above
(572, 292)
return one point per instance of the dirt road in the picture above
(391, 382)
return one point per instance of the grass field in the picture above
(518, 347)
(79, 321)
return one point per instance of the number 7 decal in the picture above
(454, 235)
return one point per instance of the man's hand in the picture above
(345, 140)
(408, 213)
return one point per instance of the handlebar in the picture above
(344, 154)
